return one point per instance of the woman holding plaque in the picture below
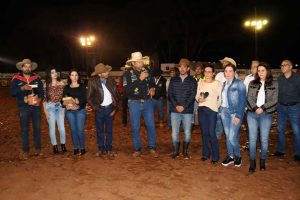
(75, 101)
(54, 111)
(208, 98)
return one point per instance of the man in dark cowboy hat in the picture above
(102, 96)
(27, 87)
(139, 85)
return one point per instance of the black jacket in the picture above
(160, 88)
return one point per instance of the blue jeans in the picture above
(293, 114)
(262, 121)
(208, 119)
(176, 119)
(103, 119)
(27, 113)
(169, 114)
(159, 104)
(56, 114)
(76, 120)
(232, 133)
(219, 126)
(136, 109)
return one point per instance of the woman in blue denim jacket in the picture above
(262, 101)
(232, 111)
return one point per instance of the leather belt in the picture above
(138, 100)
(106, 106)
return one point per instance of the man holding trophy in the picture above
(27, 87)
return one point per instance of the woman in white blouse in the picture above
(208, 98)
(261, 104)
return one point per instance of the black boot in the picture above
(76, 151)
(262, 164)
(55, 149)
(252, 166)
(176, 147)
(185, 150)
(63, 148)
(82, 151)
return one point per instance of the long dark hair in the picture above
(269, 77)
(70, 81)
(49, 80)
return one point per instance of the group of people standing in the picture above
(221, 102)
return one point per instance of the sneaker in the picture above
(110, 155)
(278, 154)
(238, 161)
(137, 154)
(214, 162)
(229, 160)
(204, 158)
(38, 152)
(154, 153)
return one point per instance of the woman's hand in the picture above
(236, 121)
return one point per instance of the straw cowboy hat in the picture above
(230, 60)
(125, 67)
(137, 56)
(19, 65)
(101, 68)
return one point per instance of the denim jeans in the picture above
(76, 120)
(176, 119)
(195, 119)
(169, 114)
(232, 133)
(219, 125)
(293, 114)
(159, 104)
(27, 113)
(263, 122)
(103, 122)
(136, 110)
(56, 114)
(208, 119)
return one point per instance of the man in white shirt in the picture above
(251, 76)
(102, 96)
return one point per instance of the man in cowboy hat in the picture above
(123, 96)
(221, 77)
(102, 96)
(181, 93)
(27, 87)
(139, 85)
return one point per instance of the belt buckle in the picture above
(142, 100)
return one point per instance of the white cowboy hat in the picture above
(19, 65)
(230, 60)
(125, 67)
(137, 56)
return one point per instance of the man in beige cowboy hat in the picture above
(139, 85)
(102, 96)
(27, 87)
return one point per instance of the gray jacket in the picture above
(271, 99)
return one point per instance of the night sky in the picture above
(48, 31)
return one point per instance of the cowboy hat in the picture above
(125, 67)
(230, 60)
(137, 56)
(101, 68)
(19, 65)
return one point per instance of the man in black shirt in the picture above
(140, 88)
(288, 107)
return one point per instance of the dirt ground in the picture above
(89, 177)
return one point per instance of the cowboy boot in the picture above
(252, 166)
(185, 150)
(262, 164)
(55, 149)
(63, 148)
(176, 147)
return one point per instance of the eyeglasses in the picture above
(285, 65)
